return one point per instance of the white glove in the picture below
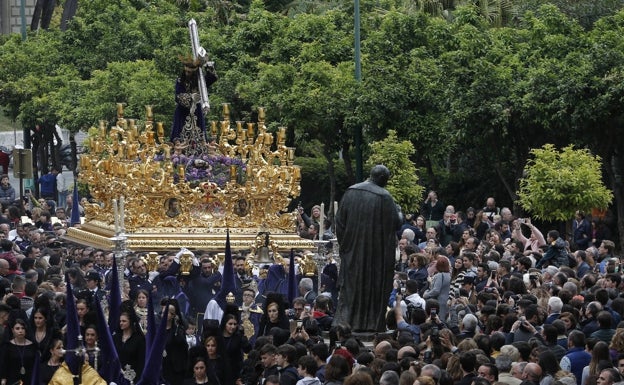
(152, 275)
(195, 261)
(179, 254)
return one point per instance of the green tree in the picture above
(403, 185)
(558, 183)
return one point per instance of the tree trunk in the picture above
(331, 171)
(346, 158)
(74, 153)
(613, 171)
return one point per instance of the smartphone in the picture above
(27, 191)
(402, 291)
(293, 326)
(307, 308)
(434, 313)
(493, 274)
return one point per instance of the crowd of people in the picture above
(480, 297)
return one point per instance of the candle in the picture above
(282, 133)
(250, 130)
(148, 112)
(102, 129)
(226, 110)
(321, 221)
(160, 129)
(233, 173)
(213, 129)
(261, 113)
(115, 216)
(120, 110)
(335, 207)
(181, 173)
(121, 213)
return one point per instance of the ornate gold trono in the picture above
(165, 208)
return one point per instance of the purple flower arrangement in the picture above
(206, 168)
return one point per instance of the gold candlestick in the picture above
(102, 129)
(160, 129)
(148, 112)
(261, 113)
(233, 173)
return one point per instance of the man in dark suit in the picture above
(306, 289)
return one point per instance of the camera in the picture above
(434, 312)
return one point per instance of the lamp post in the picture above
(358, 78)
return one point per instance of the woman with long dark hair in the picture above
(233, 345)
(209, 352)
(599, 353)
(55, 358)
(130, 341)
(550, 366)
(17, 355)
(43, 329)
(336, 370)
(274, 315)
(200, 375)
(175, 354)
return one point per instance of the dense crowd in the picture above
(480, 297)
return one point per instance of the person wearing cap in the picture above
(93, 284)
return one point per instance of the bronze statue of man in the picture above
(366, 225)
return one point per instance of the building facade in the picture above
(11, 15)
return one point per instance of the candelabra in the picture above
(120, 250)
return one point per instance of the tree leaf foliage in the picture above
(558, 183)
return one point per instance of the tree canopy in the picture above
(558, 183)
(473, 86)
